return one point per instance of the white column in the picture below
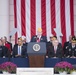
(4, 18)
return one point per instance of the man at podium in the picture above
(39, 37)
(37, 49)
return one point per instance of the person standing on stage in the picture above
(39, 37)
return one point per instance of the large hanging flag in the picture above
(47, 14)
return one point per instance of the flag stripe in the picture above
(38, 14)
(67, 16)
(58, 18)
(23, 17)
(28, 18)
(33, 17)
(43, 16)
(72, 16)
(48, 19)
(53, 16)
(63, 24)
(19, 17)
(15, 20)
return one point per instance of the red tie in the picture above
(38, 40)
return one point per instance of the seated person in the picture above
(19, 49)
(3, 50)
(71, 49)
(7, 44)
(24, 40)
(39, 37)
(51, 39)
(54, 50)
(66, 44)
(49, 43)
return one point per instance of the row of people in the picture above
(54, 48)
(19, 49)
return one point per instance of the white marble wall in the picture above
(4, 18)
(12, 17)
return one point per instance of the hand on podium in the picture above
(54, 57)
(3, 56)
(17, 55)
(46, 56)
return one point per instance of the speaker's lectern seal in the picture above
(36, 47)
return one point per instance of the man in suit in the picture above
(55, 50)
(19, 49)
(24, 40)
(8, 45)
(49, 43)
(39, 37)
(51, 39)
(66, 44)
(71, 49)
(7, 42)
(3, 50)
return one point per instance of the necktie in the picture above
(19, 51)
(38, 40)
(55, 49)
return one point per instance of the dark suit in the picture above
(42, 39)
(3, 51)
(23, 51)
(51, 52)
(25, 44)
(49, 44)
(70, 51)
(66, 44)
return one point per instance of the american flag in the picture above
(48, 14)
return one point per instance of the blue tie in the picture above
(19, 51)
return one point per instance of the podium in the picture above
(36, 52)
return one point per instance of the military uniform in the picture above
(71, 49)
